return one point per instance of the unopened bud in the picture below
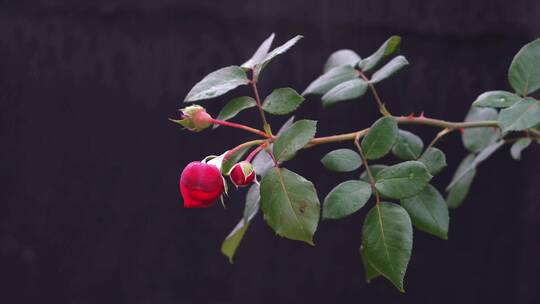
(242, 174)
(194, 118)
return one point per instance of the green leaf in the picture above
(275, 52)
(218, 83)
(461, 182)
(235, 106)
(260, 54)
(263, 161)
(402, 180)
(389, 47)
(227, 165)
(518, 147)
(434, 159)
(524, 72)
(369, 271)
(408, 146)
(428, 212)
(294, 139)
(232, 241)
(330, 79)
(290, 204)
(389, 69)
(380, 138)
(282, 101)
(487, 152)
(496, 99)
(253, 197)
(350, 89)
(387, 238)
(341, 58)
(345, 199)
(342, 160)
(186, 123)
(375, 169)
(480, 157)
(522, 115)
(476, 139)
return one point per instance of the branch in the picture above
(368, 170)
(239, 126)
(382, 108)
(410, 121)
(266, 126)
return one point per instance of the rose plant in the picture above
(401, 192)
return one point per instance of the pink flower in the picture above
(201, 185)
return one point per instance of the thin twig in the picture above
(368, 170)
(239, 126)
(266, 126)
(382, 108)
(440, 135)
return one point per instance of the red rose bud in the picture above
(201, 185)
(242, 174)
(194, 118)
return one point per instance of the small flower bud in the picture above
(195, 118)
(242, 174)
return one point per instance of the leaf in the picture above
(476, 139)
(389, 47)
(290, 204)
(330, 79)
(369, 271)
(218, 83)
(235, 106)
(253, 197)
(487, 152)
(294, 139)
(260, 54)
(428, 212)
(387, 239)
(389, 69)
(375, 169)
(480, 157)
(350, 89)
(263, 161)
(380, 138)
(275, 52)
(282, 101)
(461, 182)
(402, 180)
(524, 72)
(345, 199)
(232, 241)
(341, 58)
(522, 115)
(342, 160)
(496, 99)
(408, 146)
(434, 159)
(518, 147)
(227, 165)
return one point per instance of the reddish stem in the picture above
(271, 155)
(239, 126)
(254, 152)
(241, 146)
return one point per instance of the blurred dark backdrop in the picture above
(90, 210)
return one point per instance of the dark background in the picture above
(89, 205)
